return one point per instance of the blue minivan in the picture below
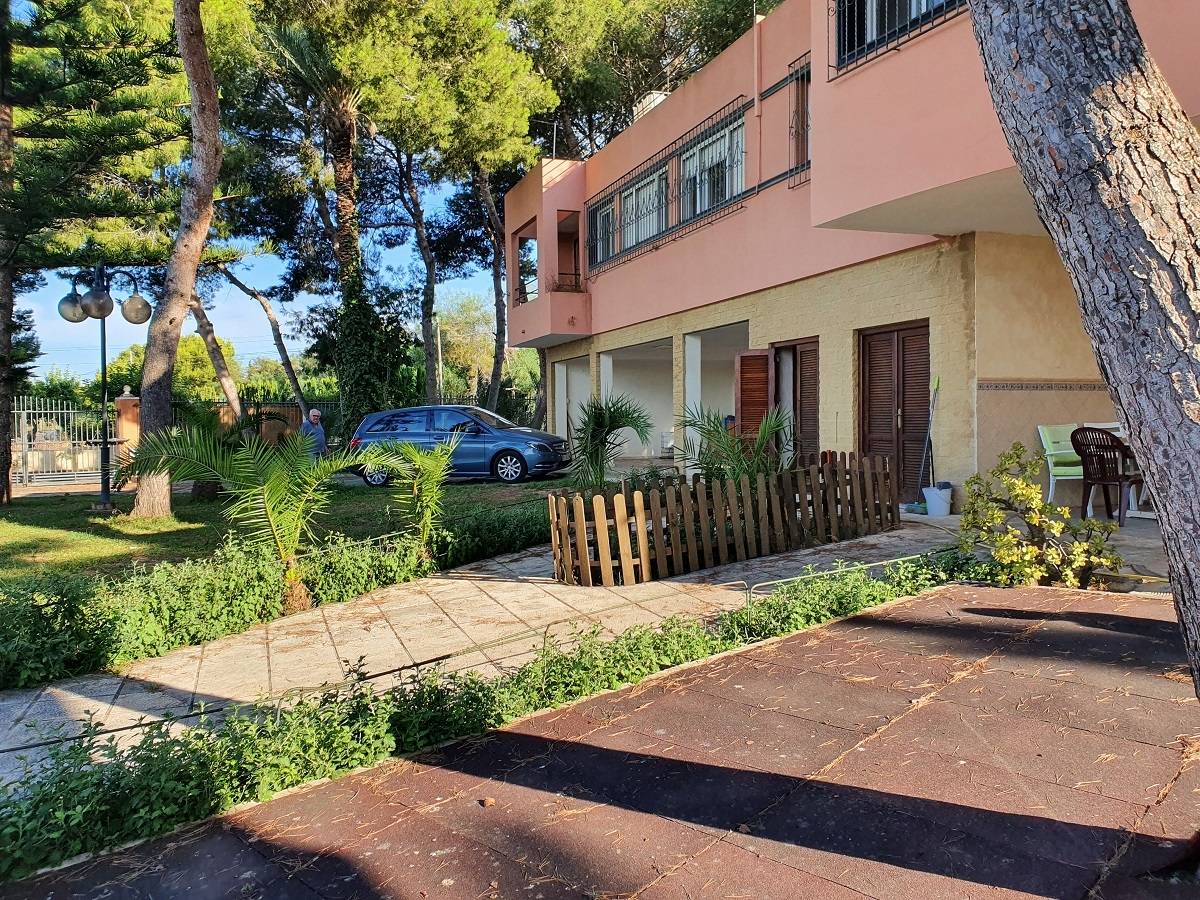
(487, 444)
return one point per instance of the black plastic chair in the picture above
(1106, 463)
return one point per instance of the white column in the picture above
(561, 399)
(606, 375)
(692, 397)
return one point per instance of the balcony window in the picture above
(711, 173)
(601, 222)
(644, 209)
(692, 180)
(800, 122)
(866, 27)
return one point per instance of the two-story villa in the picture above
(826, 217)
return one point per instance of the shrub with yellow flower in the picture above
(1036, 542)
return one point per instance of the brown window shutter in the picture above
(808, 398)
(914, 405)
(752, 380)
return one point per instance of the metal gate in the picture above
(55, 442)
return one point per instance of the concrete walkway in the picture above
(482, 617)
(968, 743)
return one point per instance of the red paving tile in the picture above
(968, 743)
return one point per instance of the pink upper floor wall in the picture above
(919, 118)
(765, 241)
(904, 146)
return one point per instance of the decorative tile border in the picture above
(1042, 386)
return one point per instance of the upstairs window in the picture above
(865, 27)
(800, 122)
(644, 209)
(712, 172)
(601, 225)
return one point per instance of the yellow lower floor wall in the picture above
(978, 413)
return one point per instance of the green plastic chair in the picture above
(1062, 462)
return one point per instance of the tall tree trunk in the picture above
(195, 216)
(217, 357)
(412, 191)
(343, 142)
(285, 358)
(1113, 165)
(7, 249)
(323, 214)
(495, 228)
(359, 354)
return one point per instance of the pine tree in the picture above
(1113, 165)
(86, 110)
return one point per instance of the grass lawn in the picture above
(58, 533)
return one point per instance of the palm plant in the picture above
(274, 491)
(597, 441)
(717, 452)
(422, 493)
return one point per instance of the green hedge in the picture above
(491, 531)
(72, 804)
(57, 631)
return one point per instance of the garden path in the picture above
(485, 616)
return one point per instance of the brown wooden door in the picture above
(894, 401)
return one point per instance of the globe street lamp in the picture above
(97, 303)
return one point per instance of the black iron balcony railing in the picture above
(526, 291)
(689, 182)
(571, 282)
(860, 30)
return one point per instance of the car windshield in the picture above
(491, 419)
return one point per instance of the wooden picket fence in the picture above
(671, 526)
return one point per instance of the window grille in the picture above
(862, 29)
(692, 180)
(800, 121)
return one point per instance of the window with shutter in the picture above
(808, 398)
(754, 390)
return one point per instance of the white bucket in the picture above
(937, 501)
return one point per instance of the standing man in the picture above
(316, 431)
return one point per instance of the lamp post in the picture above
(97, 303)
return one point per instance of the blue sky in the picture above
(236, 318)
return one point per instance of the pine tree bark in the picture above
(285, 358)
(1113, 166)
(195, 217)
(7, 273)
(216, 356)
(495, 229)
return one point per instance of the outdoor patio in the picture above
(971, 742)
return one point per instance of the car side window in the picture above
(405, 420)
(449, 420)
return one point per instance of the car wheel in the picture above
(377, 478)
(509, 466)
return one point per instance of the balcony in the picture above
(910, 142)
(547, 314)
